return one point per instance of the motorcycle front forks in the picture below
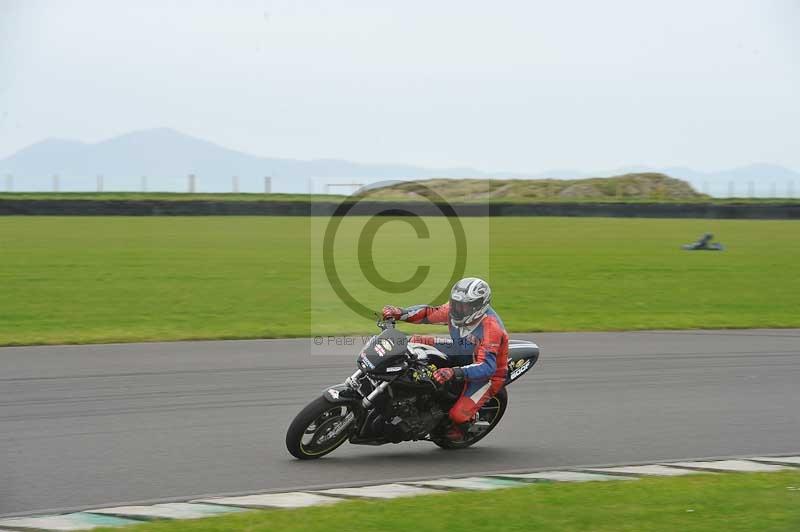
(352, 382)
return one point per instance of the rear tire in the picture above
(306, 436)
(496, 407)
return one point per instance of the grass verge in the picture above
(123, 279)
(701, 503)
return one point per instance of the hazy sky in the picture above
(525, 86)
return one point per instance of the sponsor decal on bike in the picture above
(514, 364)
(380, 350)
(425, 373)
(365, 361)
(522, 366)
(387, 344)
(338, 428)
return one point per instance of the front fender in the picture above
(340, 394)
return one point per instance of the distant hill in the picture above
(639, 186)
(166, 157)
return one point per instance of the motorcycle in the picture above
(392, 397)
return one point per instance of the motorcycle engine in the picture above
(412, 418)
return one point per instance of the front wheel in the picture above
(489, 416)
(319, 428)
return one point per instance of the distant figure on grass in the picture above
(704, 244)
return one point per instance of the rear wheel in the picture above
(318, 429)
(489, 416)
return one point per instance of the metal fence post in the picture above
(267, 185)
(235, 184)
(192, 183)
(99, 182)
(55, 183)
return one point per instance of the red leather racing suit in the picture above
(482, 355)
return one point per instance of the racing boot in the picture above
(457, 433)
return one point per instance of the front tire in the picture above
(312, 433)
(491, 411)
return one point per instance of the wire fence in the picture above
(197, 183)
(190, 183)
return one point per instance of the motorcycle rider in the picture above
(478, 343)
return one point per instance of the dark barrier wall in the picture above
(299, 208)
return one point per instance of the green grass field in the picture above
(696, 503)
(92, 279)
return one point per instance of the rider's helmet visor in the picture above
(460, 310)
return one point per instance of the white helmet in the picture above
(469, 301)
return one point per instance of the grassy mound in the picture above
(644, 186)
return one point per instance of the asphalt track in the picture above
(88, 426)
